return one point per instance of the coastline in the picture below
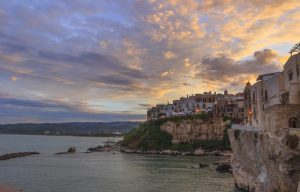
(198, 152)
(69, 135)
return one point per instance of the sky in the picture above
(110, 60)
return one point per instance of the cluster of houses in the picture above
(226, 104)
(273, 102)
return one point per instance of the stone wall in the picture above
(263, 162)
(191, 130)
(277, 117)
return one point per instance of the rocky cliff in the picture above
(192, 130)
(263, 162)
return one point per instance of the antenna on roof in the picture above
(295, 49)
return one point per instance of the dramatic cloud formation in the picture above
(110, 60)
(225, 68)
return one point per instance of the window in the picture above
(298, 71)
(253, 97)
(266, 95)
(290, 76)
(294, 122)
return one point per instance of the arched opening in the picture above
(294, 122)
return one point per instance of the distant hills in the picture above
(74, 128)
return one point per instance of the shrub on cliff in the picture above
(225, 141)
(148, 136)
(236, 133)
(203, 144)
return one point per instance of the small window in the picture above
(294, 122)
(253, 95)
(290, 76)
(297, 71)
(266, 95)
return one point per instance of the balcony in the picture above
(294, 131)
(246, 128)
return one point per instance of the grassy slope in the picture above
(148, 136)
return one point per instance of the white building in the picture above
(273, 102)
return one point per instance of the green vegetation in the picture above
(204, 144)
(148, 136)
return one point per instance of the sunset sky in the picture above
(109, 60)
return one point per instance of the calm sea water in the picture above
(103, 171)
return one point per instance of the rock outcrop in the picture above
(203, 165)
(16, 155)
(224, 167)
(96, 149)
(263, 162)
(69, 151)
(192, 130)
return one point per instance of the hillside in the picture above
(74, 128)
(149, 136)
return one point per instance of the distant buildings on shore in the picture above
(273, 102)
(226, 104)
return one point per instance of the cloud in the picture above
(103, 56)
(169, 55)
(16, 110)
(113, 79)
(186, 62)
(223, 68)
(13, 78)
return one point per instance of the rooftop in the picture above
(267, 76)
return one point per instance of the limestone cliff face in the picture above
(191, 130)
(263, 162)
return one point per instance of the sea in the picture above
(102, 171)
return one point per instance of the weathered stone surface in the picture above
(263, 162)
(277, 117)
(191, 130)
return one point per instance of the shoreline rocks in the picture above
(203, 165)
(17, 155)
(224, 167)
(197, 152)
(69, 151)
(96, 149)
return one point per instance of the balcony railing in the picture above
(294, 131)
(246, 128)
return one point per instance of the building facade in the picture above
(230, 105)
(274, 99)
